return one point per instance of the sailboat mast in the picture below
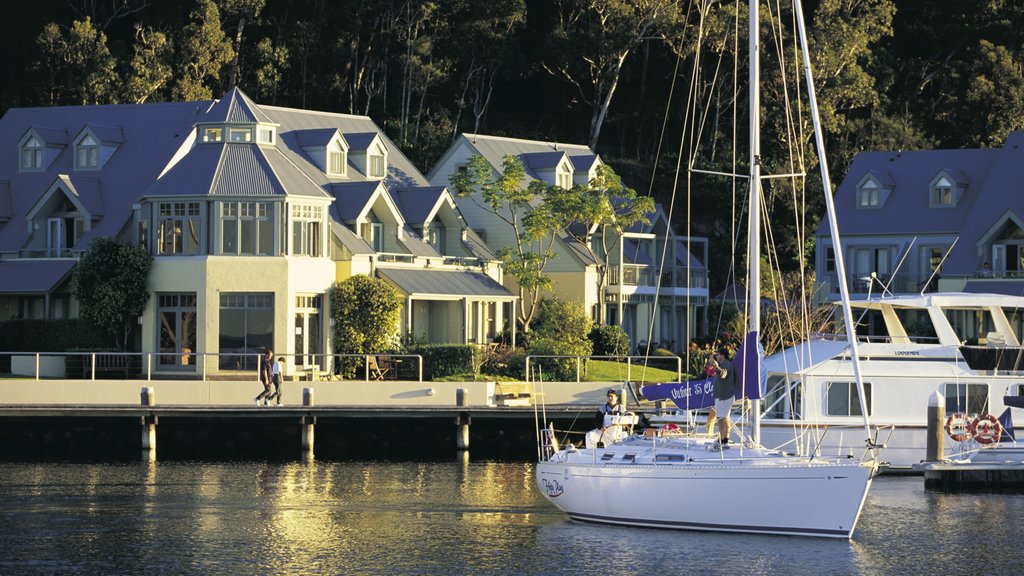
(830, 213)
(754, 206)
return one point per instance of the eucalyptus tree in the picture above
(110, 284)
(239, 13)
(593, 39)
(77, 65)
(203, 50)
(148, 73)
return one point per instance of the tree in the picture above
(605, 208)
(110, 284)
(149, 70)
(562, 329)
(597, 36)
(242, 12)
(79, 66)
(365, 314)
(271, 60)
(203, 51)
(521, 208)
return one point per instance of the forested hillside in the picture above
(891, 75)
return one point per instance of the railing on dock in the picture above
(190, 365)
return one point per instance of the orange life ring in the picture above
(958, 427)
(986, 429)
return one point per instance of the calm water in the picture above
(439, 518)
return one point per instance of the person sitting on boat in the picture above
(608, 427)
(725, 395)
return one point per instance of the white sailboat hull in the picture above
(754, 491)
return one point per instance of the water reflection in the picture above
(460, 517)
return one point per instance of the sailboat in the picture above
(666, 481)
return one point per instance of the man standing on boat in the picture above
(725, 395)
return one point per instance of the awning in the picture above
(33, 276)
(1008, 287)
(444, 284)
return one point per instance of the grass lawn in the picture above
(597, 371)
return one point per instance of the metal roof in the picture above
(33, 276)
(235, 106)
(452, 284)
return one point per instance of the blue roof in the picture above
(235, 106)
(351, 198)
(314, 136)
(359, 140)
(542, 160)
(444, 283)
(417, 203)
(33, 276)
(991, 178)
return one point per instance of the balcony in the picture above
(634, 275)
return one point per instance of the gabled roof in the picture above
(361, 140)
(351, 198)
(316, 137)
(350, 240)
(235, 106)
(151, 135)
(584, 162)
(57, 137)
(418, 205)
(543, 160)
(991, 177)
(107, 134)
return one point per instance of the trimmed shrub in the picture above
(609, 341)
(442, 360)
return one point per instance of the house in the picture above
(251, 213)
(655, 284)
(947, 220)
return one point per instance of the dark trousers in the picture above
(277, 390)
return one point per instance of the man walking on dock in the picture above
(265, 376)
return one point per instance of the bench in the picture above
(513, 393)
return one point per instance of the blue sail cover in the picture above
(697, 394)
(1006, 421)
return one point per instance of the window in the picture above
(61, 235)
(336, 162)
(265, 135)
(246, 328)
(176, 314)
(782, 398)
(308, 340)
(240, 135)
(88, 153)
(966, 398)
(943, 192)
(868, 195)
(830, 259)
(32, 154)
(564, 179)
(436, 237)
(213, 134)
(377, 236)
(307, 222)
(178, 228)
(246, 228)
(942, 196)
(843, 399)
(376, 165)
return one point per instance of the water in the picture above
(437, 518)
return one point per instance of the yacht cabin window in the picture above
(966, 398)
(843, 399)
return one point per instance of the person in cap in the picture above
(725, 395)
(605, 430)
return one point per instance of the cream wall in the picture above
(208, 277)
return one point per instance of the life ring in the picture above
(958, 427)
(986, 429)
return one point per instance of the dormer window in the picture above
(376, 165)
(88, 155)
(946, 189)
(336, 161)
(32, 154)
(565, 180)
(868, 195)
(213, 134)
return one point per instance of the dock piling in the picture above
(935, 448)
(462, 420)
(148, 396)
(307, 424)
